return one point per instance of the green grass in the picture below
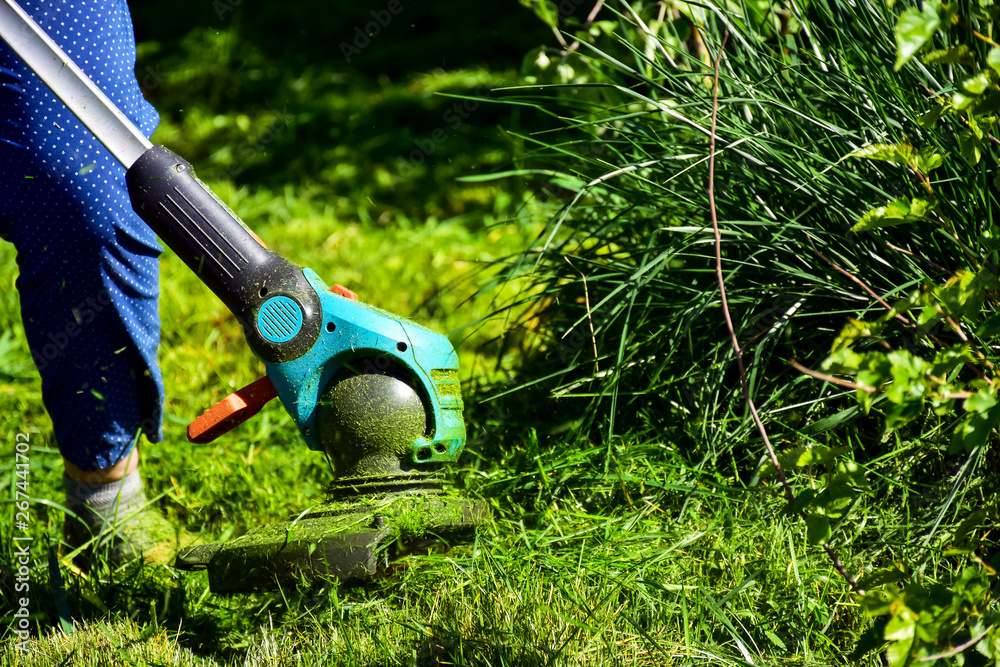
(631, 525)
(680, 573)
(666, 565)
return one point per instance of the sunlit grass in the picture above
(631, 523)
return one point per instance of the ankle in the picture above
(114, 473)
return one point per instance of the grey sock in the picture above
(96, 502)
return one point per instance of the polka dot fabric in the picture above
(88, 266)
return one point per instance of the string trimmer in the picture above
(377, 393)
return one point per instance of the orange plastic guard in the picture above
(344, 292)
(231, 411)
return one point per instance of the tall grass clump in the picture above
(856, 187)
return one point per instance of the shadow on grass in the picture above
(448, 646)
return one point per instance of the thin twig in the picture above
(976, 34)
(590, 19)
(722, 281)
(593, 12)
(559, 38)
(846, 384)
(860, 283)
(933, 265)
(923, 332)
(789, 496)
(957, 329)
(960, 116)
(958, 649)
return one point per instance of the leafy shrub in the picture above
(856, 188)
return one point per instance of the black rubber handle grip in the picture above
(220, 249)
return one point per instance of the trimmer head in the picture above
(380, 507)
(343, 539)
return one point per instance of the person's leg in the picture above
(88, 265)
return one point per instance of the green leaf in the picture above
(546, 10)
(904, 154)
(957, 55)
(900, 154)
(901, 626)
(899, 211)
(852, 473)
(903, 412)
(928, 159)
(993, 59)
(803, 500)
(981, 401)
(775, 639)
(898, 653)
(907, 395)
(817, 529)
(853, 330)
(870, 640)
(963, 295)
(832, 502)
(928, 314)
(801, 457)
(987, 104)
(948, 359)
(989, 328)
(920, 207)
(907, 389)
(881, 577)
(975, 85)
(844, 360)
(969, 524)
(929, 119)
(960, 100)
(832, 421)
(879, 601)
(913, 30)
(875, 370)
(974, 430)
(970, 146)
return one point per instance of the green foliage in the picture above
(901, 154)
(897, 212)
(856, 191)
(913, 30)
(923, 621)
(637, 522)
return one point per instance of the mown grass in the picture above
(663, 565)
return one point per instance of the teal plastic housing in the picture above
(359, 334)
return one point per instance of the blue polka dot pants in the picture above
(88, 266)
